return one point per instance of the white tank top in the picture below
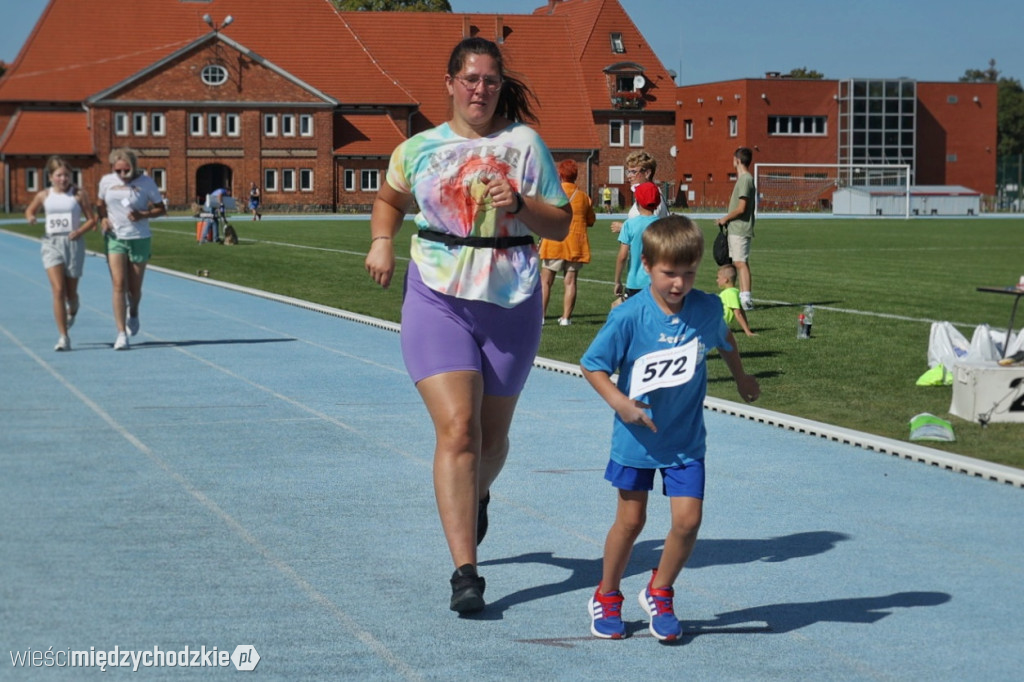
(63, 212)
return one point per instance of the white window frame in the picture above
(269, 125)
(269, 179)
(616, 175)
(793, 126)
(369, 179)
(139, 123)
(288, 125)
(158, 124)
(159, 176)
(618, 47)
(32, 179)
(120, 123)
(213, 125)
(214, 74)
(287, 179)
(350, 180)
(232, 125)
(305, 179)
(76, 177)
(616, 133)
(306, 125)
(688, 128)
(636, 133)
(195, 125)
(734, 126)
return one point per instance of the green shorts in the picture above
(137, 250)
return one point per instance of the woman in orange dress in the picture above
(571, 254)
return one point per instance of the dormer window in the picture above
(214, 74)
(618, 47)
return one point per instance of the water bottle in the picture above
(805, 320)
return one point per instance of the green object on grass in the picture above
(927, 426)
(936, 376)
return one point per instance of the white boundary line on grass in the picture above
(949, 461)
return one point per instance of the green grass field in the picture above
(876, 285)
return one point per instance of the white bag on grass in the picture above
(946, 345)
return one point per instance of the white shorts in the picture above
(60, 250)
(739, 248)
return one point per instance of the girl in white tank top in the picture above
(63, 250)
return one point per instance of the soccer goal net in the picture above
(812, 187)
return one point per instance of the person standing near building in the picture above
(739, 221)
(126, 200)
(254, 201)
(471, 316)
(62, 247)
(572, 253)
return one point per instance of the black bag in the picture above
(721, 248)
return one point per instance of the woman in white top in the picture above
(62, 247)
(127, 199)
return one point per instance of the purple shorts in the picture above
(441, 333)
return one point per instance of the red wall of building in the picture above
(957, 126)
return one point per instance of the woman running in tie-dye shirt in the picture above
(471, 317)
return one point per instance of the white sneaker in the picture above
(122, 342)
(63, 343)
(133, 325)
(564, 322)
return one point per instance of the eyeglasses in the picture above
(634, 171)
(123, 171)
(491, 84)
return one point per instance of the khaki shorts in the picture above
(561, 265)
(739, 248)
(137, 250)
(61, 250)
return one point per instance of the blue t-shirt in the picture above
(637, 328)
(631, 235)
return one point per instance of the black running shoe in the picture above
(467, 590)
(481, 518)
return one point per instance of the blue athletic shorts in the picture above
(442, 333)
(680, 481)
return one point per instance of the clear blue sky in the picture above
(929, 40)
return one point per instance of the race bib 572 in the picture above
(664, 368)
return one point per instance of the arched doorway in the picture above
(210, 177)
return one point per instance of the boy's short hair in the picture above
(674, 239)
(729, 271)
(745, 156)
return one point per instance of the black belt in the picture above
(478, 242)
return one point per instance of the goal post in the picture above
(876, 189)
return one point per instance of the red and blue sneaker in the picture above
(606, 615)
(657, 602)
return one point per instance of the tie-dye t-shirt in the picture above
(448, 174)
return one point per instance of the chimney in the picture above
(499, 29)
(467, 27)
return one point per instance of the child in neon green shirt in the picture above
(730, 296)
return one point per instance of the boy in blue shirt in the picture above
(657, 341)
(648, 199)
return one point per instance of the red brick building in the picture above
(309, 102)
(303, 100)
(946, 132)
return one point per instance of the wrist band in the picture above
(519, 204)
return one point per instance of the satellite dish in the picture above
(672, 151)
(638, 82)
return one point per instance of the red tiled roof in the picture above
(591, 22)
(366, 135)
(48, 132)
(535, 48)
